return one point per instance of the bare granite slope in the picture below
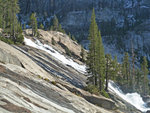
(33, 81)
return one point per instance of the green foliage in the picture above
(55, 23)
(19, 39)
(96, 57)
(56, 26)
(46, 79)
(108, 69)
(41, 26)
(33, 24)
(54, 83)
(24, 26)
(69, 35)
(7, 40)
(40, 77)
(8, 21)
(53, 41)
(126, 68)
(92, 89)
(68, 52)
(73, 38)
(105, 94)
(144, 68)
(82, 54)
(115, 68)
(60, 29)
(19, 36)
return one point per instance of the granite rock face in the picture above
(38, 90)
(8, 58)
(43, 84)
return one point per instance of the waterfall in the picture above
(133, 98)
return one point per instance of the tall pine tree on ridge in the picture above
(96, 57)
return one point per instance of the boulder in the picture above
(101, 101)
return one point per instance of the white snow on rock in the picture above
(37, 44)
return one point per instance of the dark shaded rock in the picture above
(97, 100)
(148, 104)
(148, 111)
(102, 102)
(146, 98)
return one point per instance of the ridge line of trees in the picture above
(12, 29)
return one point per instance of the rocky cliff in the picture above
(33, 80)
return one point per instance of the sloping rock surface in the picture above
(33, 81)
(31, 88)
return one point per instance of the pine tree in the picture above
(96, 57)
(108, 69)
(100, 62)
(33, 23)
(60, 29)
(13, 18)
(69, 35)
(1, 14)
(82, 54)
(53, 41)
(55, 23)
(93, 33)
(144, 68)
(139, 81)
(126, 68)
(73, 38)
(24, 26)
(115, 68)
(8, 19)
(56, 26)
(19, 36)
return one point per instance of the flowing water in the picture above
(133, 98)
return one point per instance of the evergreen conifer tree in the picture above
(60, 29)
(139, 81)
(82, 54)
(69, 35)
(96, 57)
(1, 13)
(93, 33)
(108, 69)
(144, 68)
(115, 68)
(100, 61)
(8, 19)
(33, 23)
(73, 38)
(55, 23)
(126, 68)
